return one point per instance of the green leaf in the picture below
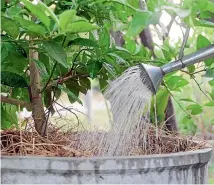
(80, 26)
(2, 4)
(162, 97)
(211, 82)
(210, 104)
(175, 82)
(140, 21)
(187, 100)
(48, 11)
(93, 68)
(69, 17)
(191, 68)
(203, 23)
(15, 62)
(112, 61)
(20, 93)
(209, 72)
(212, 94)
(48, 101)
(188, 124)
(103, 84)
(83, 42)
(195, 109)
(104, 38)
(85, 85)
(56, 52)
(14, 11)
(10, 27)
(125, 3)
(131, 45)
(110, 69)
(203, 42)
(182, 13)
(65, 18)
(119, 59)
(6, 49)
(12, 79)
(210, 6)
(46, 61)
(167, 54)
(38, 12)
(8, 116)
(71, 95)
(73, 86)
(42, 69)
(31, 26)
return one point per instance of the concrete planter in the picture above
(176, 168)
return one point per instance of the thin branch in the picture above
(176, 100)
(72, 67)
(13, 101)
(66, 79)
(192, 76)
(78, 121)
(180, 26)
(170, 24)
(201, 70)
(181, 53)
(49, 79)
(200, 88)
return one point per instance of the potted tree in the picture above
(50, 47)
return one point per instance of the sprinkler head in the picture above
(152, 76)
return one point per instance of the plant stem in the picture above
(67, 78)
(38, 112)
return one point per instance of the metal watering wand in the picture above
(155, 74)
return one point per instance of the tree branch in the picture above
(192, 77)
(66, 79)
(186, 36)
(175, 99)
(13, 101)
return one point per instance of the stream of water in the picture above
(130, 105)
(130, 101)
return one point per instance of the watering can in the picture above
(155, 74)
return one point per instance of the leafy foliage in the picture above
(74, 43)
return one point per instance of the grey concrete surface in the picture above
(211, 163)
(176, 168)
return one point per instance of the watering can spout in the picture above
(202, 54)
(152, 76)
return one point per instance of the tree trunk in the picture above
(38, 112)
(118, 37)
(146, 40)
(171, 123)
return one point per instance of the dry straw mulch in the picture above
(15, 142)
(58, 143)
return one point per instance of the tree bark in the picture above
(118, 37)
(38, 112)
(171, 123)
(146, 38)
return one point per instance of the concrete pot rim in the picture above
(179, 159)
